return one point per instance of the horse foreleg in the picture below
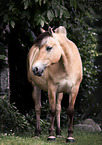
(52, 104)
(58, 112)
(36, 95)
(72, 98)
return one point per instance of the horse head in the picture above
(49, 52)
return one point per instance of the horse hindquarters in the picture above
(36, 95)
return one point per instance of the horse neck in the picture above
(67, 54)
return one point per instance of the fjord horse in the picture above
(54, 65)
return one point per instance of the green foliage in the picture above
(12, 121)
(2, 52)
(3, 57)
(10, 118)
(38, 12)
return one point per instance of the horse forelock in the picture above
(40, 39)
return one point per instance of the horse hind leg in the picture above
(36, 95)
(58, 112)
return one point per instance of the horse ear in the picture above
(62, 30)
(50, 31)
(42, 30)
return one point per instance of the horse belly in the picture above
(65, 85)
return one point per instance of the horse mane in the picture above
(41, 37)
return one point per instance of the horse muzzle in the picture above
(38, 70)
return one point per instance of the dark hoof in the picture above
(51, 138)
(70, 140)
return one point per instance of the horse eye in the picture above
(48, 48)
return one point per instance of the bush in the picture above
(10, 118)
(11, 121)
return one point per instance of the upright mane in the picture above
(41, 37)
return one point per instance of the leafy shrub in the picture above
(10, 118)
(11, 121)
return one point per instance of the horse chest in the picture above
(65, 85)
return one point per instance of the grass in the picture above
(82, 138)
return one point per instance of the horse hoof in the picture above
(70, 140)
(51, 138)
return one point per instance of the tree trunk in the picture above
(4, 76)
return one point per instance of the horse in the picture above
(54, 65)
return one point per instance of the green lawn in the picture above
(82, 138)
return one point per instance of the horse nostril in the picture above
(36, 69)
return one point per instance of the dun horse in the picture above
(54, 65)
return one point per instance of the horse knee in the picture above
(52, 112)
(37, 109)
(70, 111)
(58, 107)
